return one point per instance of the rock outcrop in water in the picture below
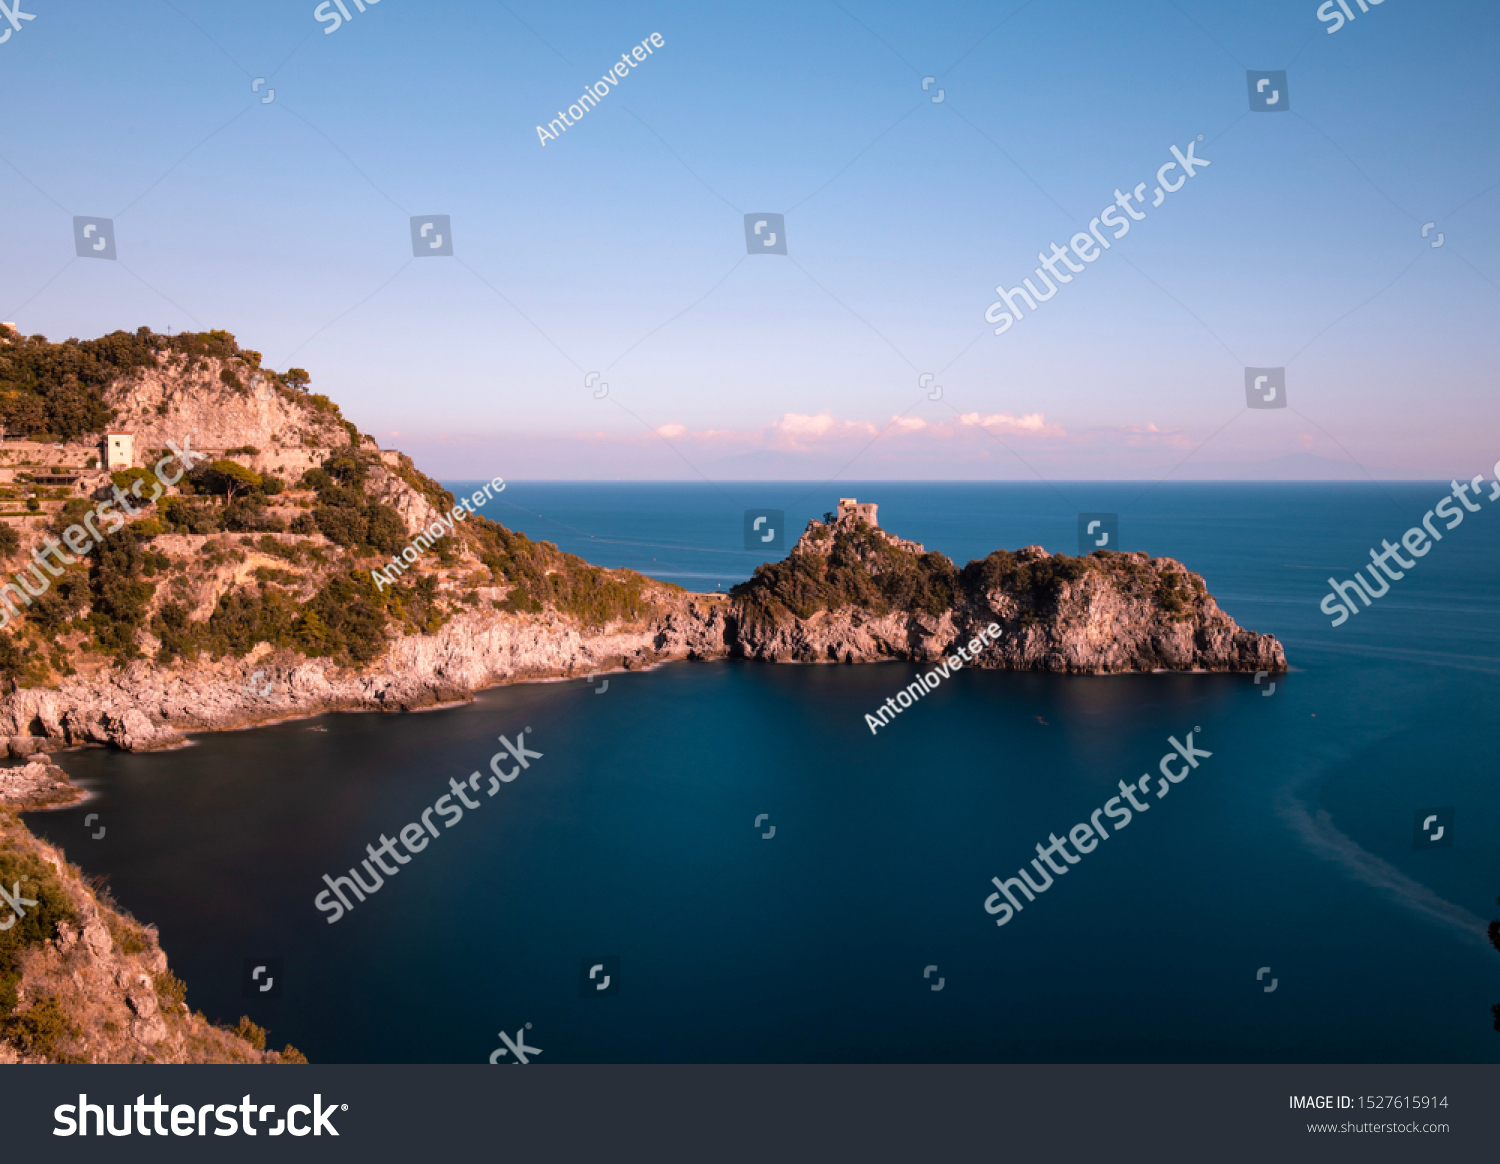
(845, 594)
(851, 593)
(247, 591)
(246, 594)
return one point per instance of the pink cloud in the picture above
(796, 429)
(1032, 424)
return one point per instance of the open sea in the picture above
(1292, 858)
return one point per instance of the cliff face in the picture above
(224, 401)
(246, 591)
(846, 593)
(81, 982)
(146, 706)
(851, 593)
(247, 594)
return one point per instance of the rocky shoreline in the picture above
(35, 785)
(145, 707)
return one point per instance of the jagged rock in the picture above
(96, 938)
(143, 1002)
(1104, 613)
(385, 487)
(36, 784)
(105, 976)
(148, 1031)
(1094, 623)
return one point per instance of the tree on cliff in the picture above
(224, 478)
(120, 594)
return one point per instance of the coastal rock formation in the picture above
(847, 593)
(145, 706)
(265, 585)
(36, 784)
(82, 982)
(851, 593)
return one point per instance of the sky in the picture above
(281, 211)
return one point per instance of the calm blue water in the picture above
(633, 837)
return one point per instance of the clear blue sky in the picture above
(288, 224)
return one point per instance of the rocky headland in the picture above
(244, 593)
(851, 593)
(81, 981)
(244, 590)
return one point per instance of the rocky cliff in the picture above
(83, 982)
(851, 593)
(248, 591)
(263, 586)
(145, 706)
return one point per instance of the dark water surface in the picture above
(633, 836)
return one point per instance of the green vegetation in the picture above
(59, 388)
(119, 594)
(61, 601)
(255, 1035)
(179, 515)
(541, 575)
(126, 933)
(39, 883)
(244, 494)
(1035, 584)
(251, 1033)
(346, 620)
(126, 479)
(38, 1031)
(21, 662)
(56, 390)
(171, 989)
(864, 570)
(111, 595)
(224, 478)
(343, 514)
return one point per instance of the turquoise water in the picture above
(634, 835)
